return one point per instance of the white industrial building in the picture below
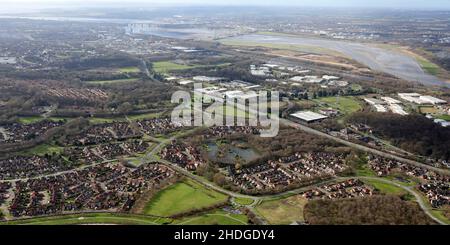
(380, 108)
(309, 116)
(373, 101)
(433, 100)
(185, 82)
(421, 99)
(207, 79)
(442, 122)
(390, 100)
(397, 109)
(330, 78)
(8, 60)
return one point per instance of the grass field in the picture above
(283, 211)
(98, 120)
(293, 47)
(100, 218)
(42, 150)
(104, 82)
(131, 69)
(444, 117)
(145, 116)
(386, 188)
(218, 217)
(365, 171)
(167, 66)
(346, 105)
(428, 66)
(35, 119)
(243, 201)
(29, 120)
(182, 197)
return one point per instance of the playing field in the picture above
(346, 105)
(283, 211)
(182, 197)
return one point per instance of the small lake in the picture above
(231, 153)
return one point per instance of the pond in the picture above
(228, 154)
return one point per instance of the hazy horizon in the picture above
(397, 4)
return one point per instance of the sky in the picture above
(414, 4)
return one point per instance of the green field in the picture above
(182, 197)
(93, 218)
(346, 105)
(167, 66)
(283, 211)
(293, 47)
(444, 117)
(131, 69)
(428, 66)
(356, 87)
(104, 82)
(386, 188)
(35, 119)
(218, 217)
(29, 120)
(243, 201)
(145, 116)
(365, 171)
(42, 150)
